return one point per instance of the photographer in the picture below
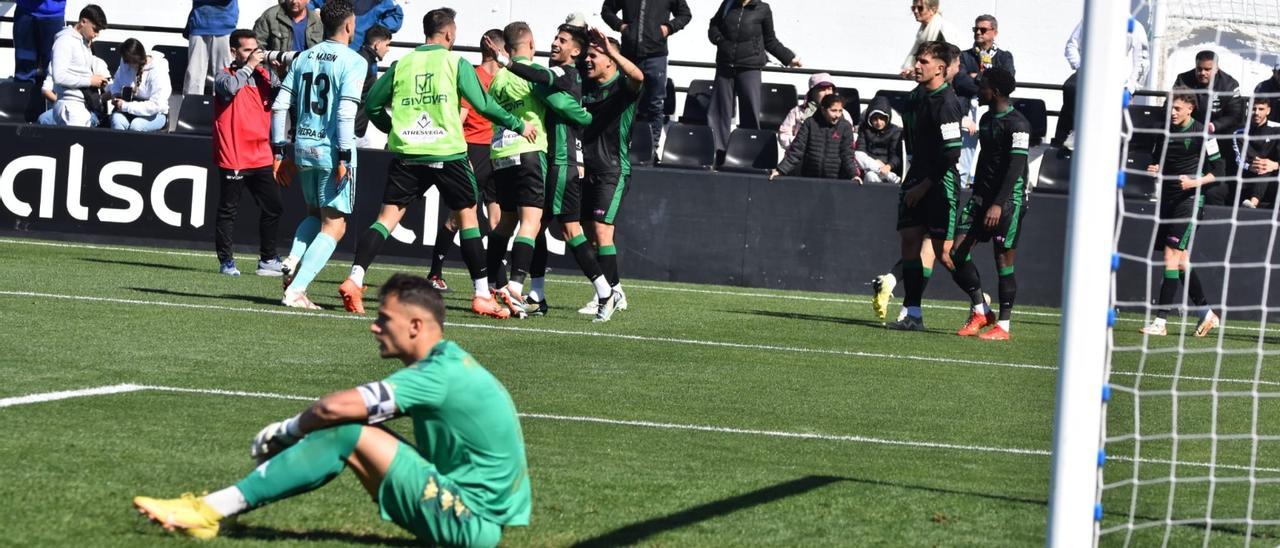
(72, 70)
(243, 93)
(141, 89)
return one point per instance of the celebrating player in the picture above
(927, 200)
(520, 166)
(1190, 162)
(463, 479)
(424, 130)
(995, 211)
(611, 99)
(327, 80)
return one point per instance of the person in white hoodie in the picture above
(141, 89)
(933, 28)
(72, 68)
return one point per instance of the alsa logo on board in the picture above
(135, 203)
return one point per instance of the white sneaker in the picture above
(605, 311)
(621, 298)
(298, 300)
(893, 178)
(592, 306)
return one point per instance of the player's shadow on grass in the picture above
(258, 532)
(256, 299)
(161, 266)
(811, 317)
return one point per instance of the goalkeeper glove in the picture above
(274, 438)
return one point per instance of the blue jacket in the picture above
(44, 9)
(369, 13)
(213, 17)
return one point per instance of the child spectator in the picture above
(820, 85)
(824, 146)
(879, 150)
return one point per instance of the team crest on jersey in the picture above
(422, 83)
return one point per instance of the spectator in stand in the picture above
(72, 68)
(208, 51)
(48, 90)
(1138, 50)
(933, 28)
(1222, 111)
(369, 13)
(820, 85)
(644, 42)
(824, 146)
(1257, 149)
(742, 31)
(1269, 89)
(377, 42)
(36, 23)
(141, 89)
(983, 55)
(243, 93)
(879, 149)
(288, 26)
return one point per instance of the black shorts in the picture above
(973, 223)
(1178, 222)
(407, 182)
(520, 180)
(602, 196)
(483, 169)
(564, 194)
(936, 211)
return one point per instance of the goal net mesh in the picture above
(1191, 436)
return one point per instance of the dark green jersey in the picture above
(1185, 151)
(1001, 174)
(606, 143)
(932, 127)
(465, 423)
(562, 130)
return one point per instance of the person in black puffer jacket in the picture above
(879, 144)
(742, 31)
(824, 146)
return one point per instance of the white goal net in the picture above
(1190, 437)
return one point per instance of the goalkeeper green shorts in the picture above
(428, 504)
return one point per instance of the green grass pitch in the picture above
(701, 416)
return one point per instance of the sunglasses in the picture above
(917, 8)
(981, 30)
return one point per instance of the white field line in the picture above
(122, 388)
(644, 338)
(571, 281)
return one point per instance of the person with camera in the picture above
(243, 93)
(72, 70)
(140, 89)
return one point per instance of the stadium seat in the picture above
(697, 102)
(1138, 185)
(852, 103)
(688, 147)
(1145, 117)
(177, 58)
(1055, 172)
(641, 145)
(109, 52)
(20, 101)
(1035, 112)
(776, 101)
(897, 99)
(751, 150)
(669, 104)
(195, 115)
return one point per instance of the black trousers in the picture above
(266, 194)
(743, 84)
(1067, 114)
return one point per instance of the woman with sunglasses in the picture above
(933, 28)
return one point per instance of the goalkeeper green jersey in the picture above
(465, 423)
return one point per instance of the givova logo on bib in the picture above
(424, 92)
(423, 130)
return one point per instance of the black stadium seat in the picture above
(20, 102)
(177, 58)
(852, 103)
(641, 144)
(751, 150)
(1150, 118)
(1055, 172)
(196, 115)
(1035, 112)
(897, 99)
(776, 101)
(697, 102)
(1138, 184)
(109, 52)
(688, 147)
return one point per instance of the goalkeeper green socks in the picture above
(309, 464)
